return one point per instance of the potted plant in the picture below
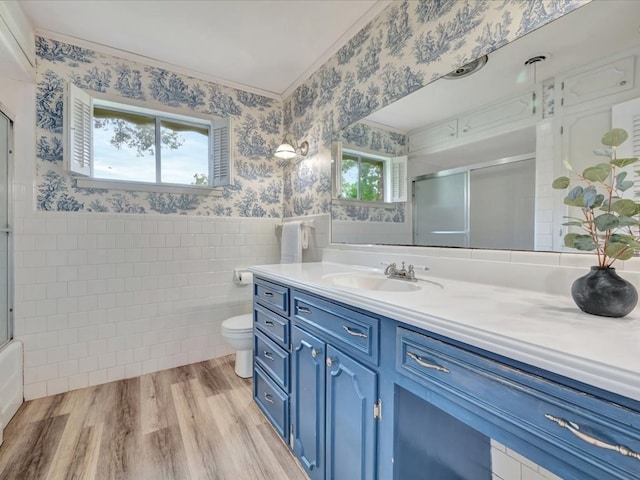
(610, 227)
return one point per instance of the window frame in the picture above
(159, 113)
(395, 184)
(366, 156)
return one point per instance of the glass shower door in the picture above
(5, 151)
(440, 210)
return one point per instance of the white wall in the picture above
(103, 297)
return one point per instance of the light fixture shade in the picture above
(285, 151)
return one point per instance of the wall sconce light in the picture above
(287, 149)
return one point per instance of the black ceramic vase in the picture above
(602, 292)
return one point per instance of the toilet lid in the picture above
(240, 322)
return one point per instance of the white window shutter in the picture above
(78, 124)
(399, 179)
(221, 153)
(627, 115)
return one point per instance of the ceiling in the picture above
(265, 46)
(588, 34)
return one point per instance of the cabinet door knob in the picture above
(268, 355)
(424, 364)
(314, 352)
(575, 429)
(268, 397)
(329, 361)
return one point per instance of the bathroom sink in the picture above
(371, 281)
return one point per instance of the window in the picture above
(112, 141)
(362, 178)
(369, 177)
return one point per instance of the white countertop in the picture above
(542, 330)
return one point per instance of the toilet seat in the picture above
(239, 323)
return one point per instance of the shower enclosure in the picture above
(6, 146)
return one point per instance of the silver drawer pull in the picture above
(268, 397)
(354, 333)
(268, 294)
(268, 323)
(424, 364)
(575, 429)
(267, 355)
(303, 309)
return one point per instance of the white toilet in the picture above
(238, 332)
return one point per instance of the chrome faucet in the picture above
(392, 271)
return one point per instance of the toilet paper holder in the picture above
(242, 276)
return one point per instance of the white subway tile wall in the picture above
(545, 165)
(508, 464)
(102, 297)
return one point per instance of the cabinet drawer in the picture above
(273, 402)
(563, 422)
(272, 358)
(272, 324)
(271, 295)
(355, 331)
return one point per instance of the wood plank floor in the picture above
(192, 422)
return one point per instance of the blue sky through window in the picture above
(124, 162)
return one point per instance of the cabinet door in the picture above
(500, 115)
(434, 135)
(597, 82)
(352, 391)
(307, 401)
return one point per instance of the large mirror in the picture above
(468, 161)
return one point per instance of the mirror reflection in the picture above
(468, 160)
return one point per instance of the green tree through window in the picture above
(362, 178)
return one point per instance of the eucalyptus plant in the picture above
(611, 223)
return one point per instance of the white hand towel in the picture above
(291, 245)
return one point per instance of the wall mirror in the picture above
(469, 161)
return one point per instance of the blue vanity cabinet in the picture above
(351, 418)
(308, 357)
(576, 435)
(271, 353)
(334, 393)
(329, 366)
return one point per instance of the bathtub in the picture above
(11, 385)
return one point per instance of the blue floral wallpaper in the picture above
(258, 188)
(407, 46)
(410, 44)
